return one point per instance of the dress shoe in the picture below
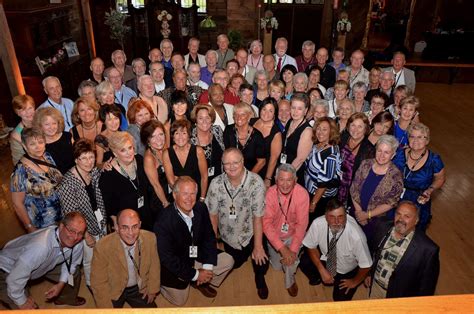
(206, 290)
(293, 290)
(314, 281)
(263, 292)
(78, 302)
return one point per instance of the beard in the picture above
(400, 226)
(336, 228)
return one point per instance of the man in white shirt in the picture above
(52, 87)
(52, 252)
(281, 58)
(246, 70)
(344, 261)
(193, 56)
(157, 72)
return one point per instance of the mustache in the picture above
(399, 222)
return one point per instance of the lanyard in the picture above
(251, 60)
(135, 264)
(353, 79)
(68, 265)
(125, 174)
(247, 140)
(223, 58)
(238, 191)
(406, 175)
(281, 206)
(184, 220)
(65, 112)
(397, 75)
(337, 239)
(121, 100)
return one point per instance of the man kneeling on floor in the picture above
(54, 253)
(125, 265)
(187, 246)
(344, 260)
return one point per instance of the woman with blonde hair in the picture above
(85, 117)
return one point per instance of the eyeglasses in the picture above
(231, 163)
(86, 158)
(73, 232)
(419, 138)
(125, 228)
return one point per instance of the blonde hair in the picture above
(246, 107)
(208, 108)
(75, 110)
(118, 139)
(42, 113)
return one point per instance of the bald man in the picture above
(125, 265)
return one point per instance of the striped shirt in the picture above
(323, 169)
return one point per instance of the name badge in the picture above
(193, 251)
(285, 227)
(232, 212)
(210, 171)
(283, 158)
(141, 201)
(98, 216)
(70, 280)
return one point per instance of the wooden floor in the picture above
(449, 111)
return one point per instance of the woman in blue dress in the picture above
(423, 171)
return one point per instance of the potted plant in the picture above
(116, 21)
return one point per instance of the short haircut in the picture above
(208, 108)
(308, 43)
(382, 95)
(54, 113)
(82, 146)
(245, 86)
(389, 73)
(244, 106)
(333, 130)
(338, 49)
(212, 52)
(359, 85)
(28, 133)
(180, 124)
(182, 180)
(69, 217)
(136, 60)
(141, 79)
(344, 101)
(410, 204)
(102, 88)
(398, 53)
(232, 150)
(147, 129)
(46, 79)
(390, 140)
(84, 84)
(360, 116)
(411, 100)
(300, 97)
(255, 42)
(237, 76)
(75, 110)
(105, 110)
(334, 204)
(135, 107)
(341, 84)
(19, 102)
(118, 139)
(322, 103)
(166, 41)
(278, 84)
(117, 51)
(403, 89)
(418, 126)
(179, 71)
(232, 61)
(286, 168)
(289, 67)
(261, 72)
(179, 96)
(301, 75)
(155, 63)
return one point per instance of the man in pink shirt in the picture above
(285, 222)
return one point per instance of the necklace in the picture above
(416, 160)
(258, 61)
(355, 146)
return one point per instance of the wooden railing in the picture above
(438, 304)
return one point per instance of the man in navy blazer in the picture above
(187, 246)
(406, 262)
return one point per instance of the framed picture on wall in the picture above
(71, 49)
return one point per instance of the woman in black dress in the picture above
(185, 159)
(111, 117)
(208, 136)
(85, 116)
(297, 138)
(153, 137)
(58, 143)
(272, 137)
(246, 138)
(126, 185)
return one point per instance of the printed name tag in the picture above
(283, 158)
(193, 251)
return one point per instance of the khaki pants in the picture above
(225, 262)
(289, 271)
(67, 296)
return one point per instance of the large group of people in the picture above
(159, 182)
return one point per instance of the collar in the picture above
(56, 103)
(128, 247)
(393, 70)
(183, 214)
(242, 181)
(56, 238)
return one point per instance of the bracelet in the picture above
(28, 226)
(202, 199)
(370, 214)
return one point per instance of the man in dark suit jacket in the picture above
(187, 247)
(406, 262)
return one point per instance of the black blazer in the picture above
(174, 239)
(417, 272)
(366, 150)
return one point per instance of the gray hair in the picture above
(182, 180)
(308, 43)
(136, 60)
(418, 126)
(140, 80)
(166, 41)
(286, 168)
(410, 204)
(389, 73)
(301, 75)
(255, 43)
(46, 79)
(320, 102)
(102, 88)
(261, 72)
(360, 85)
(84, 84)
(212, 51)
(390, 140)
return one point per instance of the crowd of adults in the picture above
(163, 176)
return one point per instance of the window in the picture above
(122, 5)
(202, 5)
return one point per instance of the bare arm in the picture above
(259, 165)
(305, 145)
(202, 164)
(170, 177)
(317, 196)
(152, 174)
(258, 253)
(275, 151)
(18, 199)
(99, 158)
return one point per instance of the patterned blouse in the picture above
(249, 202)
(74, 197)
(41, 199)
(323, 169)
